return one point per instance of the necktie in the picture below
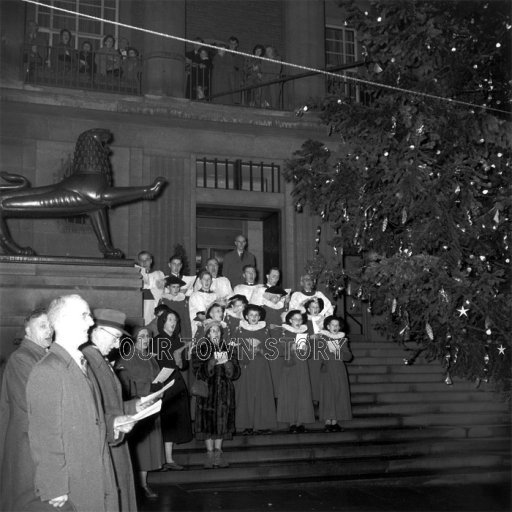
(83, 365)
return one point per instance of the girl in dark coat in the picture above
(175, 414)
(214, 363)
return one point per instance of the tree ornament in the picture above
(448, 379)
(393, 306)
(298, 207)
(430, 332)
(404, 215)
(463, 311)
(501, 350)
(384, 224)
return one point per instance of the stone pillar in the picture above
(12, 28)
(164, 72)
(304, 35)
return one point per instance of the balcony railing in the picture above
(63, 67)
(238, 175)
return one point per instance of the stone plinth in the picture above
(27, 283)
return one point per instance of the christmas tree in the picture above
(419, 185)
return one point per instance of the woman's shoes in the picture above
(335, 427)
(210, 458)
(218, 460)
(248, 432)
(149, 493)
(301, 429)
(293, 429)
(172, 466)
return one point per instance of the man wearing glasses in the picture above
(105, 337)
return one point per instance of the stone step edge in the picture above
(372, 435)
(427, 446)
(426, 477)
(337, 469)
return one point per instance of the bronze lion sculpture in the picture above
(87, 191)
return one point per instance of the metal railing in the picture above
(238, 175)
(66, 67)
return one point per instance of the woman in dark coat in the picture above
(175, 414)
(215, 363)
(136, 375)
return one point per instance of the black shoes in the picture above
(172, 466)
(149, 493)
(334, 428)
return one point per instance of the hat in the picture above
(110, 318)
(276, 290)
(209, 323)
(174, 280)
(236, 297)
(291, 313)
(254, 307)
(319, 301)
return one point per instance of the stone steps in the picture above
(407, 424)
(247, 454)
(409, 409)
(435, 396)
(355, 468)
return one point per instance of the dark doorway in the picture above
(217, 227)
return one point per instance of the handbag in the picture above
(199, 388)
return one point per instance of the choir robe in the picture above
(255, 406)
(294, 400)
(334, 383)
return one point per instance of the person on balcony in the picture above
(253, 76)
(63, 55)
(132, 69)
(222, 76)
(271, 71)
(35, 49)
(86, 64)
(235, 72)
(201, 75)
(191, 62)
(108, 59)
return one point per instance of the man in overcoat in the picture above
(16, 465)
(105, 337)
(66, 428)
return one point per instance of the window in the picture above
(341, 48)
(51, 22)
(238, 175)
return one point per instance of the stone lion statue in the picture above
(87, 191)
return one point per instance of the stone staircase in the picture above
(408, 425)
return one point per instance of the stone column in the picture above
(304, 35)
(164, 71)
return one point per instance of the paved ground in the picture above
(348, 497)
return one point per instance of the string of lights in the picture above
(283, 63)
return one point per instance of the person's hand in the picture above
(127, 427)
(139, 406)
(59, 501)
(229, 368)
